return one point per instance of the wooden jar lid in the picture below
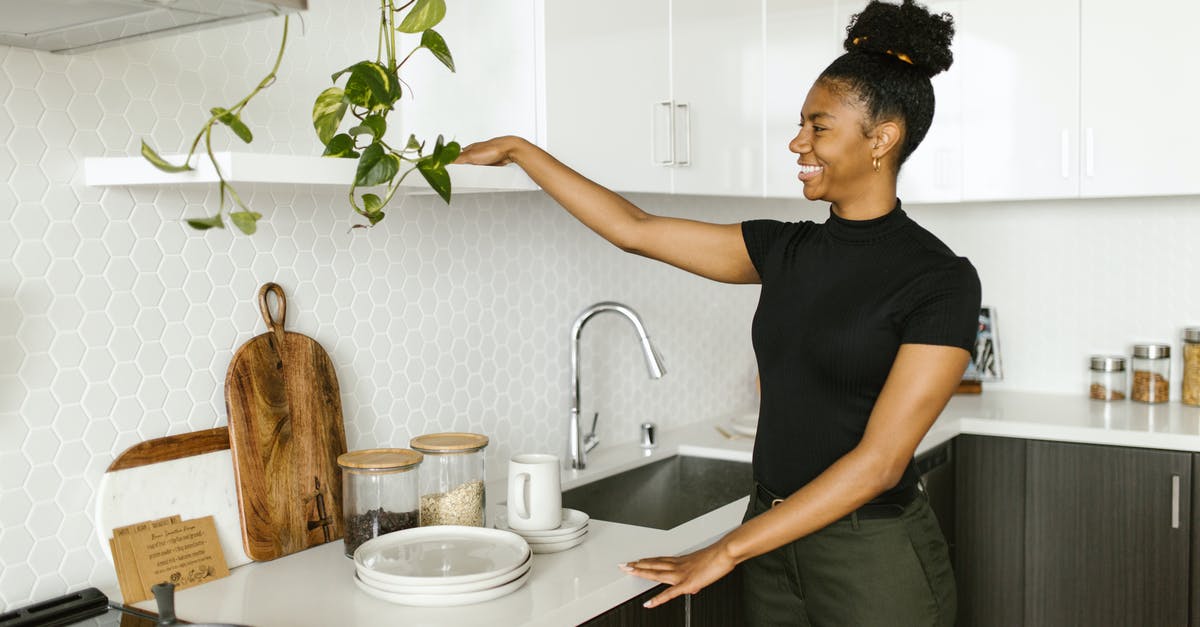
(449, 442)
(379, 459)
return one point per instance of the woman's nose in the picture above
(799, 143)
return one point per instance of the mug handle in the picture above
(517, 488)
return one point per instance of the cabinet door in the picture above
(716, 65)
(492, 92)
(1107, 535)
(719, 604)
(1019, 63)
(606, 69)
(801, 41)
(989, 532)
(933, 173)
(1139, 98)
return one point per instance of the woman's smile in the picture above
(809, 172)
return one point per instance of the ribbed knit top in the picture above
(838, 299)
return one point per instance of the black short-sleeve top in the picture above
(838, 299)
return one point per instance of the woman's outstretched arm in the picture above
(714, 251)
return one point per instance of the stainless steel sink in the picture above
(664, 494)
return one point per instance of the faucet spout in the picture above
(578, 443)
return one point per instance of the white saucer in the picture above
(443, 600)
(555, 547)
(441, 555)
(562, 538)
(572, 520)
(745, 424)
(371, 579)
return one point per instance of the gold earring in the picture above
(875, 163)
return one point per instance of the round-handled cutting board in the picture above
(285, 433)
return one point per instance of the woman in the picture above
(863, 329)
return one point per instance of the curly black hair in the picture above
(891, 53)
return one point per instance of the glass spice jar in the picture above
(1191, 366)
(1151, 373)
(380, 493)
(1108, 380)
(452, 479)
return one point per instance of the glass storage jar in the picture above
(1191, 366)
(381, 493)
(1108, 381)
(452, 478)
(1151, 373)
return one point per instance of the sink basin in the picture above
(664, 494)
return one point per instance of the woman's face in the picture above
(835, 156)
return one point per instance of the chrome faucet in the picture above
(578, 444)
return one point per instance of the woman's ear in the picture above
(886, 138)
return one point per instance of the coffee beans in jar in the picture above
(1108, 381)
(380, 493)
(1191, 366)
(1151, 373)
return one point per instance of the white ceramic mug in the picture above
(534, 492)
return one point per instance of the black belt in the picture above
(889, 506)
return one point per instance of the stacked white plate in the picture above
(745, 424)
(442, 566)
(568, 535)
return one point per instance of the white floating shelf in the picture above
(242, 167)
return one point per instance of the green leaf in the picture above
(435, 174)
(449, 153)
(433, 42)
(328, 111)
(246, 221)
(204, 224)
(233, 122)
(160, 163)
(375, 217)
(370, 86)
(340, 145)
(424, 15)
(376, 166)
(413, 144)
(372, 203)
(373, 125)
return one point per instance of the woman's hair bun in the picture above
(907, 31)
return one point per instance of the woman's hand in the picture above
(496, 151)
(687, 574)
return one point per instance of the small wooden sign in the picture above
(184, 552)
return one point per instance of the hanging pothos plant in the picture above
(370, 93)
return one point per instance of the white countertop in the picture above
(315, 587)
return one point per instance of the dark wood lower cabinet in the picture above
(1107, 536)
(718, 605)
(989, 531)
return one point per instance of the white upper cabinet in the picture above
(1139, 99)
(717, 73)
(801, 39)
(1019, 64)
(933, 172)
(606, 75)
(493, 90)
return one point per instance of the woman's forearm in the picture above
(598, 208)
(845, 486)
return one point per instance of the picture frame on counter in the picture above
(986, 366)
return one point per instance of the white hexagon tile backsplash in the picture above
(117, 322)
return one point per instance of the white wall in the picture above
(117, 322)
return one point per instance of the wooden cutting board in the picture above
(285, 432)
(189, 474)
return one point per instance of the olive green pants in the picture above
(891, 572)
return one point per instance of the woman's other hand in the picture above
(495, 151)
(687, 574)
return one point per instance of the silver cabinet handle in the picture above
(687, 133)
(1174, 501)
(654, 110)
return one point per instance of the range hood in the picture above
(80, 25)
